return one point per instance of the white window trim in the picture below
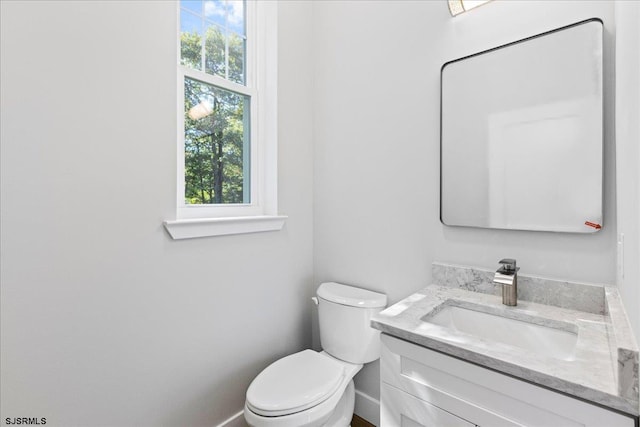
(206, 227)
(261, 76)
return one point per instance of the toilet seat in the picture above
(336, 411)
(295, 383)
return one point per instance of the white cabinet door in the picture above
(400, 409)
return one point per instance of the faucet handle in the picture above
(508, 264)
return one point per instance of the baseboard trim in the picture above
(235, 421)
(367, 408)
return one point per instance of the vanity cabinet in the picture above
(421, 387)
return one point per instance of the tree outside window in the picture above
(216, 119)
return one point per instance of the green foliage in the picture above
(236, 58)
(214, 47)
(214, 144)
(190, 51)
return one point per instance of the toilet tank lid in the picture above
(351, 296)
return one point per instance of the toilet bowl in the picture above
(315, 389)
(305, 389)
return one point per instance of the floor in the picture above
(360, 422)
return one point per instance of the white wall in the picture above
(628, 155)
(105, 319)
(376, 147)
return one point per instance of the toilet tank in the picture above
(344, 314)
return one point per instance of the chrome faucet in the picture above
(507, 276)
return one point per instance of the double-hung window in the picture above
(227, 83)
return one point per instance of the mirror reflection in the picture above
(521, 141)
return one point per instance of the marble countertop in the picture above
(605, 367)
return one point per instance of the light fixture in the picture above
(456, 7)
(203, 109)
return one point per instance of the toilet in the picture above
(313, 389)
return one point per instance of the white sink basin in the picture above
(557, 342)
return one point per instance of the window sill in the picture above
(207, 227)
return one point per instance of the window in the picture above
(227, 76)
